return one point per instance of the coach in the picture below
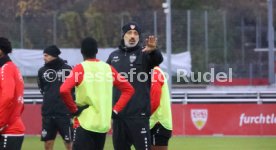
(131, 127)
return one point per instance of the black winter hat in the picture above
(5, 45)
(89, 47)
(131, 26)
(52, 50)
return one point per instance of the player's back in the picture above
(15, 87)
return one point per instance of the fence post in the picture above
(206, 39)
(250, 73)
(188, 30)
(55, 27)
(242, 39)
(21, 31)
(225, 37)
(270, 32)
(258, 37)
(185, 100)
(155, 23)
(259, 100)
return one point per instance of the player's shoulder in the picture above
(116, 51)
(41, 69)
(67, 66)
(9, 65)
(105, 64)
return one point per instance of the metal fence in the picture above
(213, 37)
(197, 96)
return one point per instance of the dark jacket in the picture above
(126, 59)
(50, 78)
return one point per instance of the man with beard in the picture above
(131, 126)
(55, 115)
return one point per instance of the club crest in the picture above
(43, 133)
(132, 58)
(132, 26)
(199, 117)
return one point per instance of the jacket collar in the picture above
(4, 60)
(55, 64)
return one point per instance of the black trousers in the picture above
(88, 140)
(134, 131)
(11, 142)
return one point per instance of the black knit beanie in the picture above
(5, 45)
(131, 26)
(89, 47)
(52, 50)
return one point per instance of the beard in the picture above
(131, 44)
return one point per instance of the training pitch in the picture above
(182, 143)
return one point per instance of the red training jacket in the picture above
(11, 99)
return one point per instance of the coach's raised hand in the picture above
(151, 44)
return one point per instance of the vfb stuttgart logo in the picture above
(199, 117)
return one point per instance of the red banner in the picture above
(32, 118)
(224, 119)
(199, 119)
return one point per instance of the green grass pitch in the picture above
(181, 143)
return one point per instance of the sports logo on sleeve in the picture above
(115, 59)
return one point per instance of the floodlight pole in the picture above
(270, 33)
(167, 11)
